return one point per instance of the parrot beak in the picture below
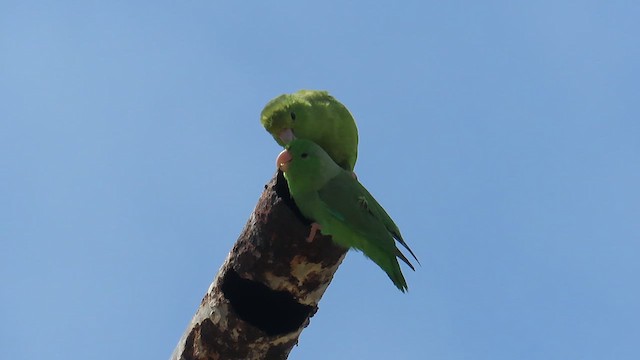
(286, 136)
(283, 160)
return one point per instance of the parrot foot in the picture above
(354, 176)
(314, 229)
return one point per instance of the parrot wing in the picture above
(350, 203)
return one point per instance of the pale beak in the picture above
(286, 136)
(283, 160)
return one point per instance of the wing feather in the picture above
(352, 204)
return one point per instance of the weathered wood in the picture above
(267, 289)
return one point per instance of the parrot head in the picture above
(291, 116)
(278, 117)
(305, 163)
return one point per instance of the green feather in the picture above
(316, 116)
(345, 210)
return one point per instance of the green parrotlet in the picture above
(317, 116)
(341, 207)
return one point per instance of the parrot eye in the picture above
(293, 116)
(304, 155)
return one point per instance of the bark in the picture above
(268, 287)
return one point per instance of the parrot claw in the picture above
(354, 176)
(314, 229)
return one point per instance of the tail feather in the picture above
(396, 276)
(406, 261)
(389, 263)
(396, 235)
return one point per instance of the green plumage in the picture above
(344, 209)
(316, 116)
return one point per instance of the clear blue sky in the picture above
(503, 137)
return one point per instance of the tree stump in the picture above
(268, 287)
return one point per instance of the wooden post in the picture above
(267, 289)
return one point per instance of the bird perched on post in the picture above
(341, 207)
(317, 116)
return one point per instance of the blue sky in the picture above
(503, 137)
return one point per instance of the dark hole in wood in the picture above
(282, 189)
(274, 312)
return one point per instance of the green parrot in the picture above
(341, 207)
(317, 116)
